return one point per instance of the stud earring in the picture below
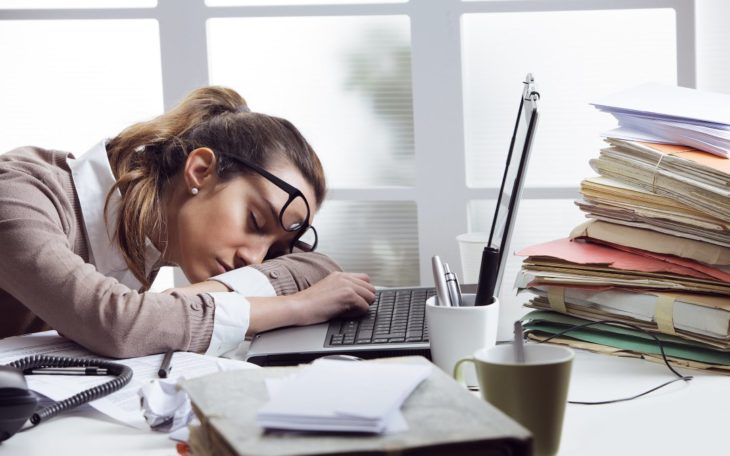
(194, 191)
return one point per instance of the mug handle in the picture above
(457, 369)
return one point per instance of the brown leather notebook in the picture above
(443, 418)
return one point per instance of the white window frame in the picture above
(440, 190)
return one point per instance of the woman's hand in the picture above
(338, 294)
(208, 286)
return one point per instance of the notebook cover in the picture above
(443, 417)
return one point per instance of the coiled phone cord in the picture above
(122, 373)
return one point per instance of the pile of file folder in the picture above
(655, 252)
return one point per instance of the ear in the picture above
(200, 168)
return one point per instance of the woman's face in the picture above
(233, 223)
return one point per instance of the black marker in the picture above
(487, 277)
(165, 367)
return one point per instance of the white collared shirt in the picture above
(93, 178)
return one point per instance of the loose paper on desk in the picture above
(122, 405)
(344, 396)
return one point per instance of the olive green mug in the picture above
(533, 393)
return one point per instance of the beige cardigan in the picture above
(47, 282)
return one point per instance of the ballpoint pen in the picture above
(165, 367)
(442, 294)
(452, 285)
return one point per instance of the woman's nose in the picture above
(251, 254)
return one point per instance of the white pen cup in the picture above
(457, 332)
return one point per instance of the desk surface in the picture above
(680, 419)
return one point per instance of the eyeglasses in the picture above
(289, 216)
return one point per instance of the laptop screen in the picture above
(514, 175)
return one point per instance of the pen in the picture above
(487, 276)
(165, 367)
(452, 285)
(442, 294)
(89, 370)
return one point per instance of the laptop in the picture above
(395, 325)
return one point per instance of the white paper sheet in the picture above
(394, 423)
(671, 103)
(343, 396)
(123, 405)
(672, 115)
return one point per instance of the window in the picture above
(345, 82)
(67, 84)
(576, 57)
(410, 104)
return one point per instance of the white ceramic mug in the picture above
(457, 332)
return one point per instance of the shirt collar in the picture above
(93, 178)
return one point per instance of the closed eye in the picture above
(255, 223)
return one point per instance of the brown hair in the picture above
(147, 155)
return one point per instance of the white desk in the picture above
(681, 419)
(86, 432)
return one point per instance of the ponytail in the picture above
(145, 156)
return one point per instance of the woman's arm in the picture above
(311, 289)
(286, 274)
(39, 227)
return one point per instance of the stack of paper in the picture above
(671, 115)
(343, 396)
(656, 251)
(699, 180)
(613, 201)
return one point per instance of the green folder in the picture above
(623, 338)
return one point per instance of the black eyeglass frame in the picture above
(293, 193)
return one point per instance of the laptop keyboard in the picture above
(396, 316)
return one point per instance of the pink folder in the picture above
(622, 258)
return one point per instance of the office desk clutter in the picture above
(442, 416)
(124, 405)
(655, 252)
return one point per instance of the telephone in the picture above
(18, 403)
